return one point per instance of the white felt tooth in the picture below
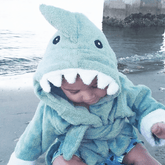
(70, 75)
(103, 80)
(55, 79)
(112, 88)
(87, 75)
(45, 84)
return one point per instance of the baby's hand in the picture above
(158, 129)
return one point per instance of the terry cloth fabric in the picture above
(79, 47)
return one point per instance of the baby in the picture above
(87, 110)
(86, 95)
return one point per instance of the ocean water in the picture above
(137, 50)
(20, 51)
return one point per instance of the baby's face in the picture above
(81, 94)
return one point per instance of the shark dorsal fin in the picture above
(62, 20)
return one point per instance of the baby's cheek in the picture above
(101, 92)
(70, 96)
(76, 98)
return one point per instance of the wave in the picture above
(17, 66)
(137, 63)
(20, 52)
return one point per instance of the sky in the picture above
(17, 14)
(25, 14)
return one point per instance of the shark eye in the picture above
(98, 44)
(56, 40)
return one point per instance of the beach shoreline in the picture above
(18, 105)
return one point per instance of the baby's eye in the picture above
(74, 92)
(94, 86)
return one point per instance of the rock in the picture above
(140, 67)
(137, 20)
(126, 70)
(162, 89)
(147, 22)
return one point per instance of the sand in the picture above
(18, 104)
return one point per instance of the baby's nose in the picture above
(88, 96)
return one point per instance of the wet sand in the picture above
(18, 104)
(156, 82)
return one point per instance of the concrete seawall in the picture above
(120, 9)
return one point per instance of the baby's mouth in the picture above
(91, 102)
(55, 77)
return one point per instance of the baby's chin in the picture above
(86, 105)
(82, 104)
